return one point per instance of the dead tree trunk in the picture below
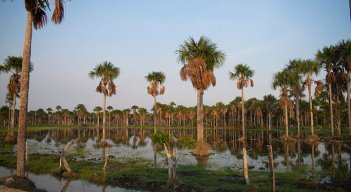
(172, 163)
(271, 163)
(63, 158)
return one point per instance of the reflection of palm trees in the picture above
(134, 139)
(66, 185)
(126, 136)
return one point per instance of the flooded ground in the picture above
(54, 184)
(319, 163)
(135, 143)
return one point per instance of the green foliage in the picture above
(204, 48)
(154, 76)
(159, 138)
(187, 142)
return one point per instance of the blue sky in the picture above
(141, 36)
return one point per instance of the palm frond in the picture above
(59, 12)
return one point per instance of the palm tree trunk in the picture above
(13, 114)
(155, 113)
(297, 97)
(310, 100)
(348, 100)
(109, 118)
(243, 113)
(269, 121)
(286, 120)
(24, 96)
(245, 162)
(199, 119)
(104, 121)
(331, 110)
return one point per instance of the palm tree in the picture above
(156, 80)
(58, 113)
(97, 110)
(107, 72)
(36, 17)
(134, 108)
(308, 68)
(296, 85)
(13, 65)
(328, 57)
(345, 49)
(283, 80)
(109, 108)
(269, 105)
(81, 110)
(49, 110)
(243, 74)
(199, 59)
(142, 116)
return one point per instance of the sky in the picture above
(141, 36)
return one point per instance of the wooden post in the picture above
(271, 163)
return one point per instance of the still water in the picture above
(322, 159)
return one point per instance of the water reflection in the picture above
(54, 184)
(333, 157)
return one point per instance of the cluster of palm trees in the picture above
(299, 73)
(198, 59)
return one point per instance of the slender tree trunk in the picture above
(298, 114)
(98, 121)
(13, 113)
(24, 96)
(310, 100)
(109, 118)
(331, 109)
(200, 123)
(271, 163)
(269, 121)
(286, 120)
(348, 101)
(155, 114)
(243, 113)
(104, 121)
(245, 161)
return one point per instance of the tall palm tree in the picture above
(199, 59)
(328, 57)
(36, 17)
(107, 72)
(345, 49)
(296, 85)
(156, 80)
(13, 65)
(243, 74)
(310, 68)
(283, 80)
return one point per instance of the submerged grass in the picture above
(141, 174)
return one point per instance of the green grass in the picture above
(140, 174)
